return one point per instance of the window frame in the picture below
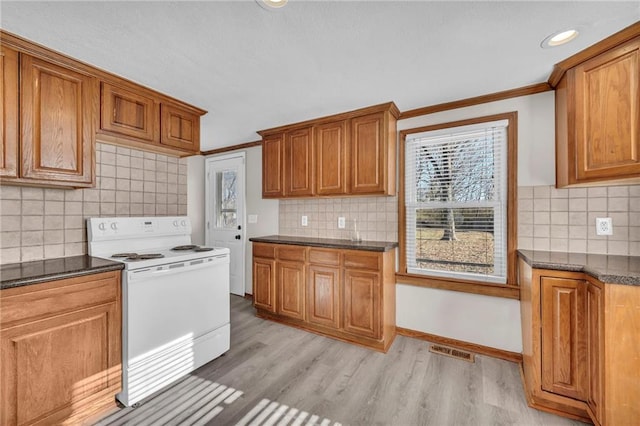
(508, 290)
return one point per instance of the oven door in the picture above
(170, 306)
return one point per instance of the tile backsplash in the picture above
(548, 218)
(44, 223)
(564, 219)
(376, 217)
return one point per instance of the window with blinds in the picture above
(456, 202)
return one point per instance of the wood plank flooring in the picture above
(278, 375)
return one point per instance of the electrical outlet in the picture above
(604, 226)
(304, 221)
(253, 218)
(341, 223)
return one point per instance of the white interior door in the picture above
(225, 178)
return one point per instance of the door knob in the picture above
(238, 237)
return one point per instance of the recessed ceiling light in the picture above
(271, 4)
(559, 37)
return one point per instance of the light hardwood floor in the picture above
(277, 375)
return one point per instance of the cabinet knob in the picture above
(238, 237)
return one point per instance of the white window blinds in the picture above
(456, 202)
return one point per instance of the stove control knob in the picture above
(183, 223)
(175, 223)
(114, 226)
(102, 226)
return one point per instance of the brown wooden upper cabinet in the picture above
(273, 166)
(143, 116)
(54, 106)
(298, 161)
(180, 127)
(9, 112)
(598, 118)
(129, 113)
(352, 153)
(332, 157)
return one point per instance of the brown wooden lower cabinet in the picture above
(564, 352)
(344, 294)
(61, 350)
(323, 296)
(580, 345)
(264, 283)
(290, 289)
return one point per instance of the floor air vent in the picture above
(453, 353)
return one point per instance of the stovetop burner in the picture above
(192, 247)
(124, 255)
(136, 256)
(186, 247)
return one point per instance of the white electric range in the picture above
(175, 296)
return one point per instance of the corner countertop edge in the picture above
(609, 269)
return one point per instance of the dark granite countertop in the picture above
(39, 271)
(327, 243)
(606, 268)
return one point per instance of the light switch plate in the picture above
(253, 218)
(304, 221)
(604, 226)
(341, 222)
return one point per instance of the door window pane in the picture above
(226, 200)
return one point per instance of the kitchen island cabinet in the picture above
(580, 321)
(60, 343)
(337, 288)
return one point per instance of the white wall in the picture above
(484, 320)
(266, 210)
(196, 197)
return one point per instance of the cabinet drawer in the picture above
(47, 299)
(324, 257)
(264, 250)
(362, 260)
(295, 253)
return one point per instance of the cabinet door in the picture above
(368, 154)
(264, 284)
(607, 114)
(298, 176)
(52, 368)
(179, 128)
(57, 109)
(331, 158)
(595, 348)
(290, 297)
(323, 300)
(273, 166)
(128, 113)
(362, 303)
(564, 352)
(8, 112)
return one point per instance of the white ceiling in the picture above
(254, 69)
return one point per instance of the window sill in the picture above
(485, 289)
